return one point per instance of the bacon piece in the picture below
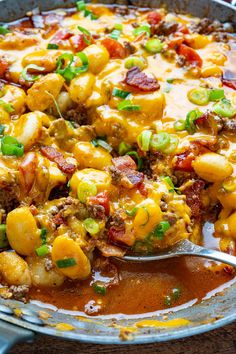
(153, 18)
(193, 197)
(140, 80)
(115, 49)
(124, 172)
(143, 190)
(27, 171)
(101, 199)
(175, 42)
(53, 19)
(183, 29)
(3, 67)
(184, 161)
(77, 42)
(191, 56)
(109, 250)
(54, 155)
(229, 83)
(58, 219)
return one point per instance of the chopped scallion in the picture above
(124, 148)
(4, 30)
(127, 105)
(135, 61)
(216, 94)
(52, 46)
(29, 77)
(2, 128)
(85, 190)
(199, 96)
(43, 235)
(10, 146)
(179, 125)
(7, 106)
(224, 108)
(3, 237)
(160, 141)
(42, 251)
(137, 158)
(115, 34)
(144, 139)
(104, 144)
(80, 5)
(192, 116)
(174, 141)
(161, 229)
(99, 289)
(87, 35)
(142, 29)
(120, 93)
(66, 263)
(91, 226)
(154, 46)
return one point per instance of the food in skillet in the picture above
(117, 135)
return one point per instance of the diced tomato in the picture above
(143, 190)
(175, 42)
(183, 29)
(190, 55)
(184, 161)
(115, 49)
(153, 18)
(3, 67)
(101, 199)
(60, 36)
(78, 42)
(229, 83)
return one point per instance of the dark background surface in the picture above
(220, 341)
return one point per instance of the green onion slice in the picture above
(91, 226)
(104, 144)
(154, 46)
(66, 263)
(190, 119)
(66, 57)
(28, 77)
(132, 212)
(7, 106)
(160, 141)
(118, 26)
(43, 235)
(2, 128)
(127, 105)
(115, 34)
(124, 148)
(42, 250)
(85, 190)
(120, 93)
(87, 35)
(216, 94)
(137, 158)
(3, 237)
(199, 96)
(99, 289)
(4, 30)
(160, 229)
(144, 139)
(179, 125)
(142, 29)
(52, 46)
(224, 108)
(80, 5)
(169, 182)
(174, 141)
(10, 146)
(135, 61)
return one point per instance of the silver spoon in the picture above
(185, 248)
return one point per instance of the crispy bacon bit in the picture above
(34, 211)
(184, 161)
(153, 18)
(193, 197)
(229, 270)
(191, 56)
(101, 199)
(229, 83)
(78, 42)
(115, 49)
(143, 190)
(27, 171)
(3, 67)
(140, 80)
(124, 172)
(54, 155)
(183, 29)
(175, 42)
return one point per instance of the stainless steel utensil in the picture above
(185, 248)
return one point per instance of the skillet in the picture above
(20, 322)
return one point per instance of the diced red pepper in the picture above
(190, 55)
(101, 199)
(60, 36)
(115, 49)
(175, 42)
(183, 29)
(153, 18)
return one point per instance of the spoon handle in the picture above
(185, 248)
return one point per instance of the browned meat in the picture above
(124, 172)
(140, 81)
(229, 125)
(19, 292)
(193, 198)
(78, 115)
(166, 28)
